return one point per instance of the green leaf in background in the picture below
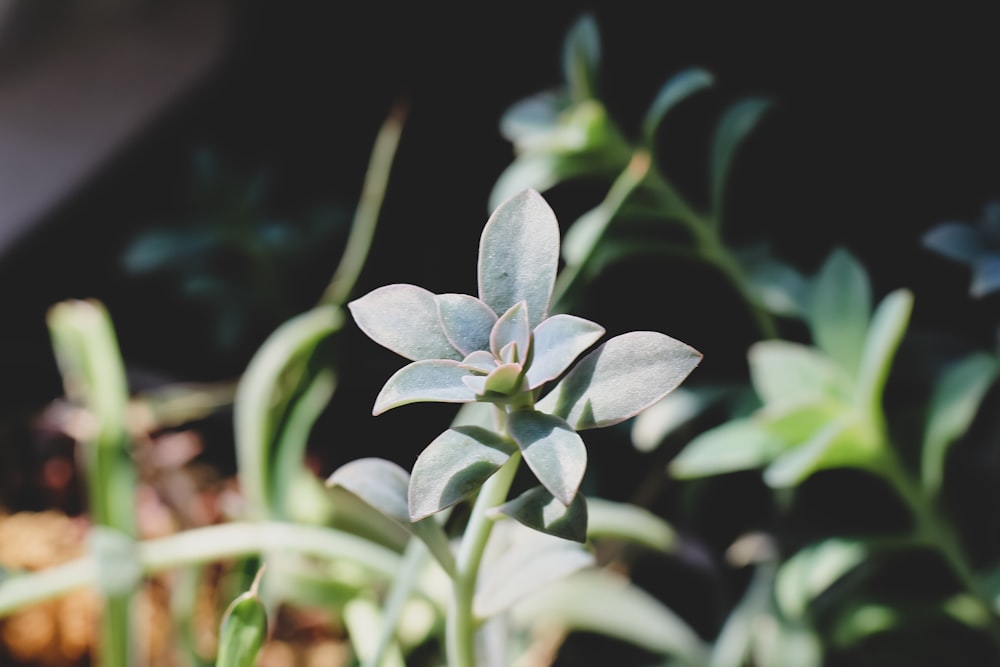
(619, 379)
(888, 324)
(427, 380)
(780, 287)
(404, 319)
(787, 373)
(608, 519)
(582, 58)
(519, 255)
(739, 444)
(553, 451)
(804, 576)
(678, 88)
(839, 307)
(538, 509)
(957, 398)
(519, 562)
(655, 423)
(733, 128)
(119, 571)
(453, 466)
(602, 601)
(842, 442)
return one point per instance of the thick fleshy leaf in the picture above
(839, 308)
(512, 327)
(383, 485)
(428, 380)
(630, 523)
(553, 451)
(481, 361)
(605, 602)
(741, 444)
(620, 379)
(519, 255)
(531, 118)
(784, 372)
(379, 482)
(558, 341)
(537, 509)
(404, 319)
(956, 240)
(528, 561)
(679, 87)
(504, 379)
(955, 403)
(455, 464)
(466, 322)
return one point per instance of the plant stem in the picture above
(362, 232)
(461, 624)
(205, 545)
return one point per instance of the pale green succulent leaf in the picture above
(454, 465)
(404, 318)
(519, 255)
(466, 322)
(619, 379)
(511, 327)
(552, 450)
(422, 381)
(539, 510)
(558, 341)
(678, 88)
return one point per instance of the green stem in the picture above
(204, 545)
(461, 623)
(366, 215)
(933, 530)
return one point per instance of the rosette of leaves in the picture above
(975, 245)
(505, 348)
(821, 404)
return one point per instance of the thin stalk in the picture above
(362, 232)
(460, 628)
(935, 531)
(205, 545)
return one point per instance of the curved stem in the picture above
(461, 624)
(366, 215)
(203, 545)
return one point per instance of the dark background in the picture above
(885, 124)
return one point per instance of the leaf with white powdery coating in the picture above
(536, 508)
(553, 451)
(519, 255)
(404, 319)
(620, 379)
(455, 464)
(427, 380)
(559, 340)
(466, 321)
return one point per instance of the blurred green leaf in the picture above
(678, 88)
(839, 309)
(809, 572)
(739, 444)
(783, 372)
(957, 398)
(735, 125)
(582, 58)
